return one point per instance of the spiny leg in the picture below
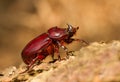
(53, 59)
(30, 66)
(57, 51)
(52, 52)
(80, 40)
(66, 49)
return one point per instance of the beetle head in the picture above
(71, 30)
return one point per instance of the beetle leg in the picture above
(33, 61)
(80, 40)
(53, 57)
(52, 51)
(31, 65)
(57, 51)
(65, 48)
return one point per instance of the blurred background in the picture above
(22, 20)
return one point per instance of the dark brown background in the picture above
(22, 20)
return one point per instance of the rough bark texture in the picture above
(97, 62)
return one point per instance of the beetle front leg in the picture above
(80, 40)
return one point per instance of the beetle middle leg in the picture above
(65, 49)
(57, 51)
(51, 49)
(53, 59)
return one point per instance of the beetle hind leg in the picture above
(30, 66)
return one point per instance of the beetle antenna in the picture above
(77, 28)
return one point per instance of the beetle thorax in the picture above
(57, 33)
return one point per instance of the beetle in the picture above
(48, 43)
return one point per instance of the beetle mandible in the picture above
(48, 43)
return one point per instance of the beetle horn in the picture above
(70, 28)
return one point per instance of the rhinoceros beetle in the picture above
(47, 44)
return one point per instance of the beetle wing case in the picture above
(32, 48)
